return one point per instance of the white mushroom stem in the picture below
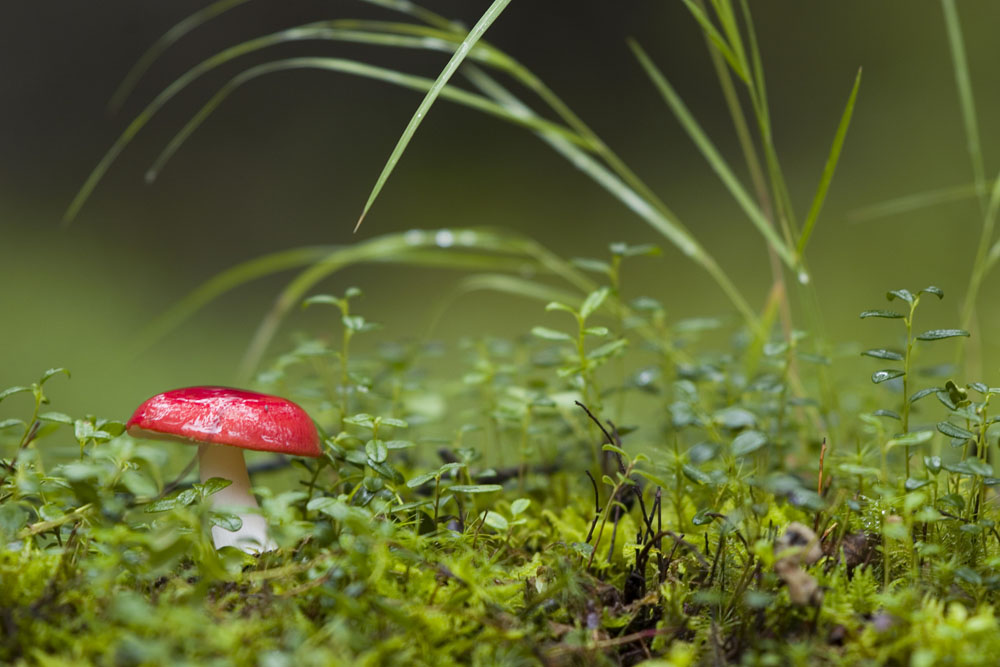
(237, 498)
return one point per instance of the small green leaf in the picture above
(910, 439)
(939, 334)
(376, 451)
(953, 431)
(519, 505)
(888, 314)
(735, 418)
(13, 390)
(178, 498)
(475, 488)
(912, 484)
(594, 301)
(392, 421)
(495, 521)
(888, 413)
(748, 442)
(225, 520)
(550, 334)
(386, 471)
(617, 450)
(595, 265)
(901, 294)
(886, 374)
(556, 305)
(695, 475)
(361, 419)
(924, 392)
(883, 354)
(7, 423)
(607, 349)
(52, 371)
(931, 289)
(970, 467)
(597, 331)
(933, 464)
(212, 486)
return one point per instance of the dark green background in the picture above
(290, 159)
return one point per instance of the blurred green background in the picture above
(289, 160)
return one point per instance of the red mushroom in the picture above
(223, 422)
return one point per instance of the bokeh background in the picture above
(289, 160)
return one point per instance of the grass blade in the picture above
(962, 80)
(487, 19)
(168, 39)
(394, 77)
(739, 68)
(912, 202)
(830, 167)
(714, 158)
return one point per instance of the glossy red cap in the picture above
(224, 416)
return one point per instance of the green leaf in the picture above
(485, 21)
(888, 314)
(519, 505)
(52, 371)
(392, 421)
(735, 418)
(953, 431)
(386, 471)
(910, 439)
(883, 354)
(886, 374)
(596, 331)
(225, 520)
(969, 467)
(376, 451)
(178, 498)
(595, 265)
(695, 475)
(888, 413)
(931, 289)
(748, 442)
(938, 334)
(475, 488)
(594, 301)
(607, 349)
(924, 392)
(361, 419)
(212, 486)
(495, 521)
(901, 294)
(550, 334)
(933, 464)
(13, 390)
(7, 423)
(830, 167)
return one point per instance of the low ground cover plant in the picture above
(616, 485)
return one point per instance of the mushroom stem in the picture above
(237, 498)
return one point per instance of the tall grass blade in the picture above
(830, 167)
(487, 19)
(168, 39)
(964, 83)
(714, 158)
(912, 202)
(739, 67)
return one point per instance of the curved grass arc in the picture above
(388, 247)
(278, 262)
(352, 67)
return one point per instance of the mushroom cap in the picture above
(225, 416)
